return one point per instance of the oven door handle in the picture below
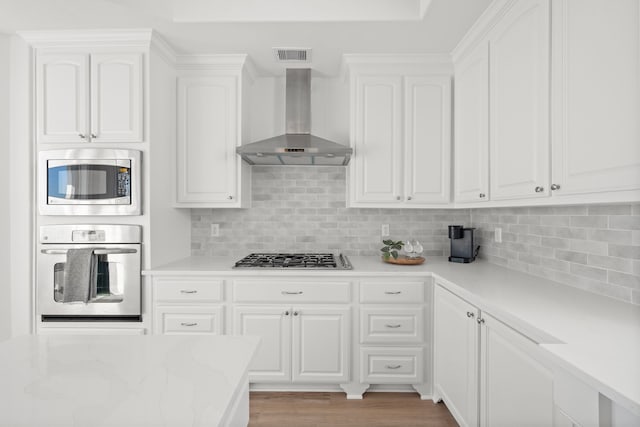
(97, 251)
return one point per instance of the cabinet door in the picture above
(456, 356)
(519, 102)
(62, 97)
(427, 136)
(116, 97)
(375, 170)
(321, 344)
(516, 389)
(207, 140)
(471, 147)
(272, 361)
(596, 104)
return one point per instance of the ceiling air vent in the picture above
(290, 54)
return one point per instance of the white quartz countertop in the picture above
(596, 338)
(121, 380)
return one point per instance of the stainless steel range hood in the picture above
(297, 146)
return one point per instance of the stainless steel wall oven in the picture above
(89, 273)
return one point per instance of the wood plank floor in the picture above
(334, 410)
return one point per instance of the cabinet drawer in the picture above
(391, 325)
(290, 291)
(189, 320)
(186, 290)
(391, 365)
(392, 292)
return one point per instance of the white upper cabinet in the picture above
(376, 167)
(207, 139)
(401, 134)
(471, 155)
(427, 136)
(83, 97)
(116, 97)
(62, 97)
(519, 102)
(209, 173)
(596, 96)
(563, 95)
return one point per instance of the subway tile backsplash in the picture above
(297, 208)
(592, 247)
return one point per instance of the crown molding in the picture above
(409, 63)
(88, 38)
(163, 48)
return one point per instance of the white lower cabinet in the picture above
(303, 344)
(188, 305)
(392, 334)
(486, 373)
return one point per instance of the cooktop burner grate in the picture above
(294, 260)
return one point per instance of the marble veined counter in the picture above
(123, 380)
(594, 337)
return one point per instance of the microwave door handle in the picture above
(100, 251)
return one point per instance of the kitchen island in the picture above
(125, 380)
(595, 339)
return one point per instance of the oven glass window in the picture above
(88, 182)
(110, 287)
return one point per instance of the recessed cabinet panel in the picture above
(391, 365)
(207, 139)
(456, 355)
(321, 343)
(519, 102)
(391, 325)
(471, 148)
(377, 159)
(596, 76)
(116, 97)
(427, 139)
(272, 361)
(516, 389)
(62, 97)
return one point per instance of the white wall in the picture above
(21, 191)
(5, 290)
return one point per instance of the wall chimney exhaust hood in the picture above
(297, 146)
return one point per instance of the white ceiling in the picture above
(330, 34)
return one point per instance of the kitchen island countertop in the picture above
(594, 337)
(123, 380)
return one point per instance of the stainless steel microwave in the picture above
(95, 181)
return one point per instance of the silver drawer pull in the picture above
(291, 293)
(393, 326)
(393, 292)
(189, 324)
(393, 366)
(188, 291)
(96, 251)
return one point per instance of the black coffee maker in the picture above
(463, 247)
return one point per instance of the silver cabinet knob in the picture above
(82, 136)
(94, 136)
(539, 189)
(409, 198)
(470, 314)
(480, 320)
(555, 187)
(295, 313)
(286, 313)
(482, 195)
(230, 197)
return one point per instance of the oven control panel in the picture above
(88, 236)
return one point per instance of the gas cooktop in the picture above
(320, 261)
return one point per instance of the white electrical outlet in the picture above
(384, 230)
(497, 235)
(215, 230)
